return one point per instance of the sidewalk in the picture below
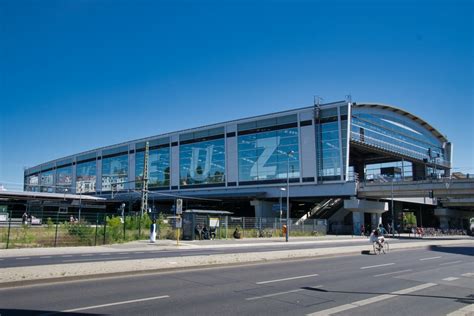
(58, 272)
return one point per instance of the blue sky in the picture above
(76, 75)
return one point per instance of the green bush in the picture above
(82, 230)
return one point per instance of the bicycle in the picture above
(381, 247)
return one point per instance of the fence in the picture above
(59, 229)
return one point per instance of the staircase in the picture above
(323, 210)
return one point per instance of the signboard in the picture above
(214, 222)
(179, 222)
(179, 206)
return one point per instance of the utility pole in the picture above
(144, 206)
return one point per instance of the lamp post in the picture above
(290, 153)
(393, 217)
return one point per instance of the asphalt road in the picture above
(437, 281)
(24, 261)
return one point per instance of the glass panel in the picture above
(158, 168)
(32, 183)
(329, 151)
(202, 163)
(47, 181)
(64, 179)
(114, 172)
(86, 177)
(264, 156)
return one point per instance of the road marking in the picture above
(140, 252)
(87, 255)
(450, 279)
(430, 258)
(66, 256)
(123, 253)
(470, 274)
(104, 254)
(379, 265)
(279, 293)
(113, 304)
(98, 259)
(45, 257)
(371, 300)
(22, 258)
(464, 311)
(396, 272)
(452, 262)
(287, 279)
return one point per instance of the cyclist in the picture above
(377, 237)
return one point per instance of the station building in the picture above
(320, 153)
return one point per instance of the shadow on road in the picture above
(467, 300)
(467, 251)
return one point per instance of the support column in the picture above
(357, 220)
(263, 208)
(419, 171)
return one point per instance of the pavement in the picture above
(13, 276)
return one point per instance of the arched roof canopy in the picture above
(404, 113)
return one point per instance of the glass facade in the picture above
(158, 168)
(86, 177)
(202, 162)
(64, 179)
(114, 172)
(47, 181)
(331, 143)
(32, 183)
(263, 155)
(397, 134)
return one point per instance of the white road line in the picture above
(45, 257)
(470, 274)
(87, 255)
(140, 252)
(396, 272)
(452, 262)
(22, 258)
(371, 300)
(430, 258)
(98, 259)
(464, 311)
(123, 253)
(104, 254)
(450, 279)
(287, 279)
(379, 265)
(66, 256)
(113, 304)
(279, 293)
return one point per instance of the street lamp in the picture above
(393, 219)
(290, 154)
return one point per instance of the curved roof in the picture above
(411, 116)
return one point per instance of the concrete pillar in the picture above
(443, 222)
(419, 171)
(376, 220)
(357, 220)
(359, 168)
(264, 209)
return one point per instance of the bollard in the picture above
(153, 231)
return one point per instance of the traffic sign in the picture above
(179, 206)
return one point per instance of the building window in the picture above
(158, 168)
(264, 156)
(64, 179)
(202, 163)
(114, 172)
(86, 177)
